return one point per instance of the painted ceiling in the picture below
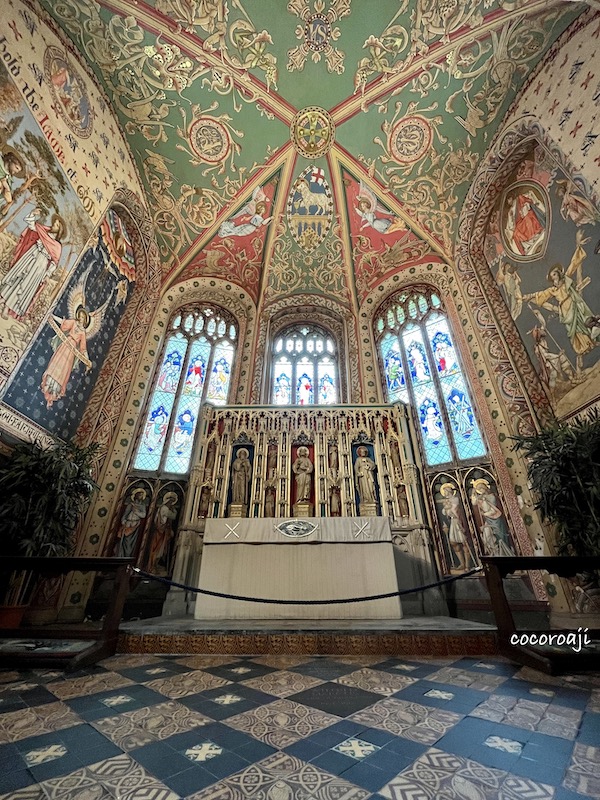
(309, 146)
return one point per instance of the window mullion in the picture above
(438, 390)
(171, 424)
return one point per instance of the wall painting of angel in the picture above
(236, 251)
(542, 244)
(58, 374)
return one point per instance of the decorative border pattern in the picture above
(263, 643)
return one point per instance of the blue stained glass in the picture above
(155, 430)
(182, 439)
(282, 383)
(326, 385)
(417, 356)
(394, 371)
(218, 388)
(304, 387)
(170, 370)
(196, 371)
(435, 441)
(442, 346)
(465, 430)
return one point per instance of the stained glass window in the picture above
(195, 367)
(304, 367)
(421, 367)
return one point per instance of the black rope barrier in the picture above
(148, 576)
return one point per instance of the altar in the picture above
(309, 558)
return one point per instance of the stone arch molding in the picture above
(480, 377)
(526, 402)
(327, 312)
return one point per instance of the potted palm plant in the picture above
(43, 494)
(564, 474)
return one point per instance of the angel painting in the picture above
(70, 342)
(374, 215)
(248, 219)
(508, 277)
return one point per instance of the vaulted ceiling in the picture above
(309, 146)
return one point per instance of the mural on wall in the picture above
(542, 244)
(56, 377)
(381, 242)
(310, 209)
(471, 520)
(43, 226)
(237, 250)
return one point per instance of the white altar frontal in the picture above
(309, 558)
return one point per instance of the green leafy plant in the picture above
(564, 473)
(43, 493)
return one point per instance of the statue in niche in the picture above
(271, 461)
(333, 459)
(210, 460)
(204, 502)
(335, 505)
(270, 501)
(240, 470)
(364, 468)
(402, 500)
(303, 469)
(395, 456)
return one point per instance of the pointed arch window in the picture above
(421, 367)
(195, 367)
(305, 367)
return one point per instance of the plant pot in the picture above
(11, 616)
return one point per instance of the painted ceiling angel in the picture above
(70, 342)
(374, 215)
(249, 218)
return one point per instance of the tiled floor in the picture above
(298, 728)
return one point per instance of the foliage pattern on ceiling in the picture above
(411, 94)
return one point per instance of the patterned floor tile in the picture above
(594, 701)
(187, 683)
(531, 715)
(583, 773)
(356, 748)
(127, 660)
(336, 698)
(44, 754)
(136, 728)
(503, 744)
(17, 725)
(203, 751)
(281, 722)
(282, 683)
(121, 776)
(376, 681)
(34, 792)
(438, 774)
(202, 662)
(462, 677)
(281, 662)
(282, 777)
(88, 684)
(410, 720)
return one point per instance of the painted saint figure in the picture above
(303, 469)
(364, 468)
(564, 296)
(34, 260)
(249, 219)
(11, 166)
(454, 528)
(71, 333)
(131, 521)
(240, 477)
(163, 533)
(494, 531)
(526, 223)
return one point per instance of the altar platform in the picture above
(425, 636)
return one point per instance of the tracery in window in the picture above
(196, 366)
(421, 367)
(305, 370)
